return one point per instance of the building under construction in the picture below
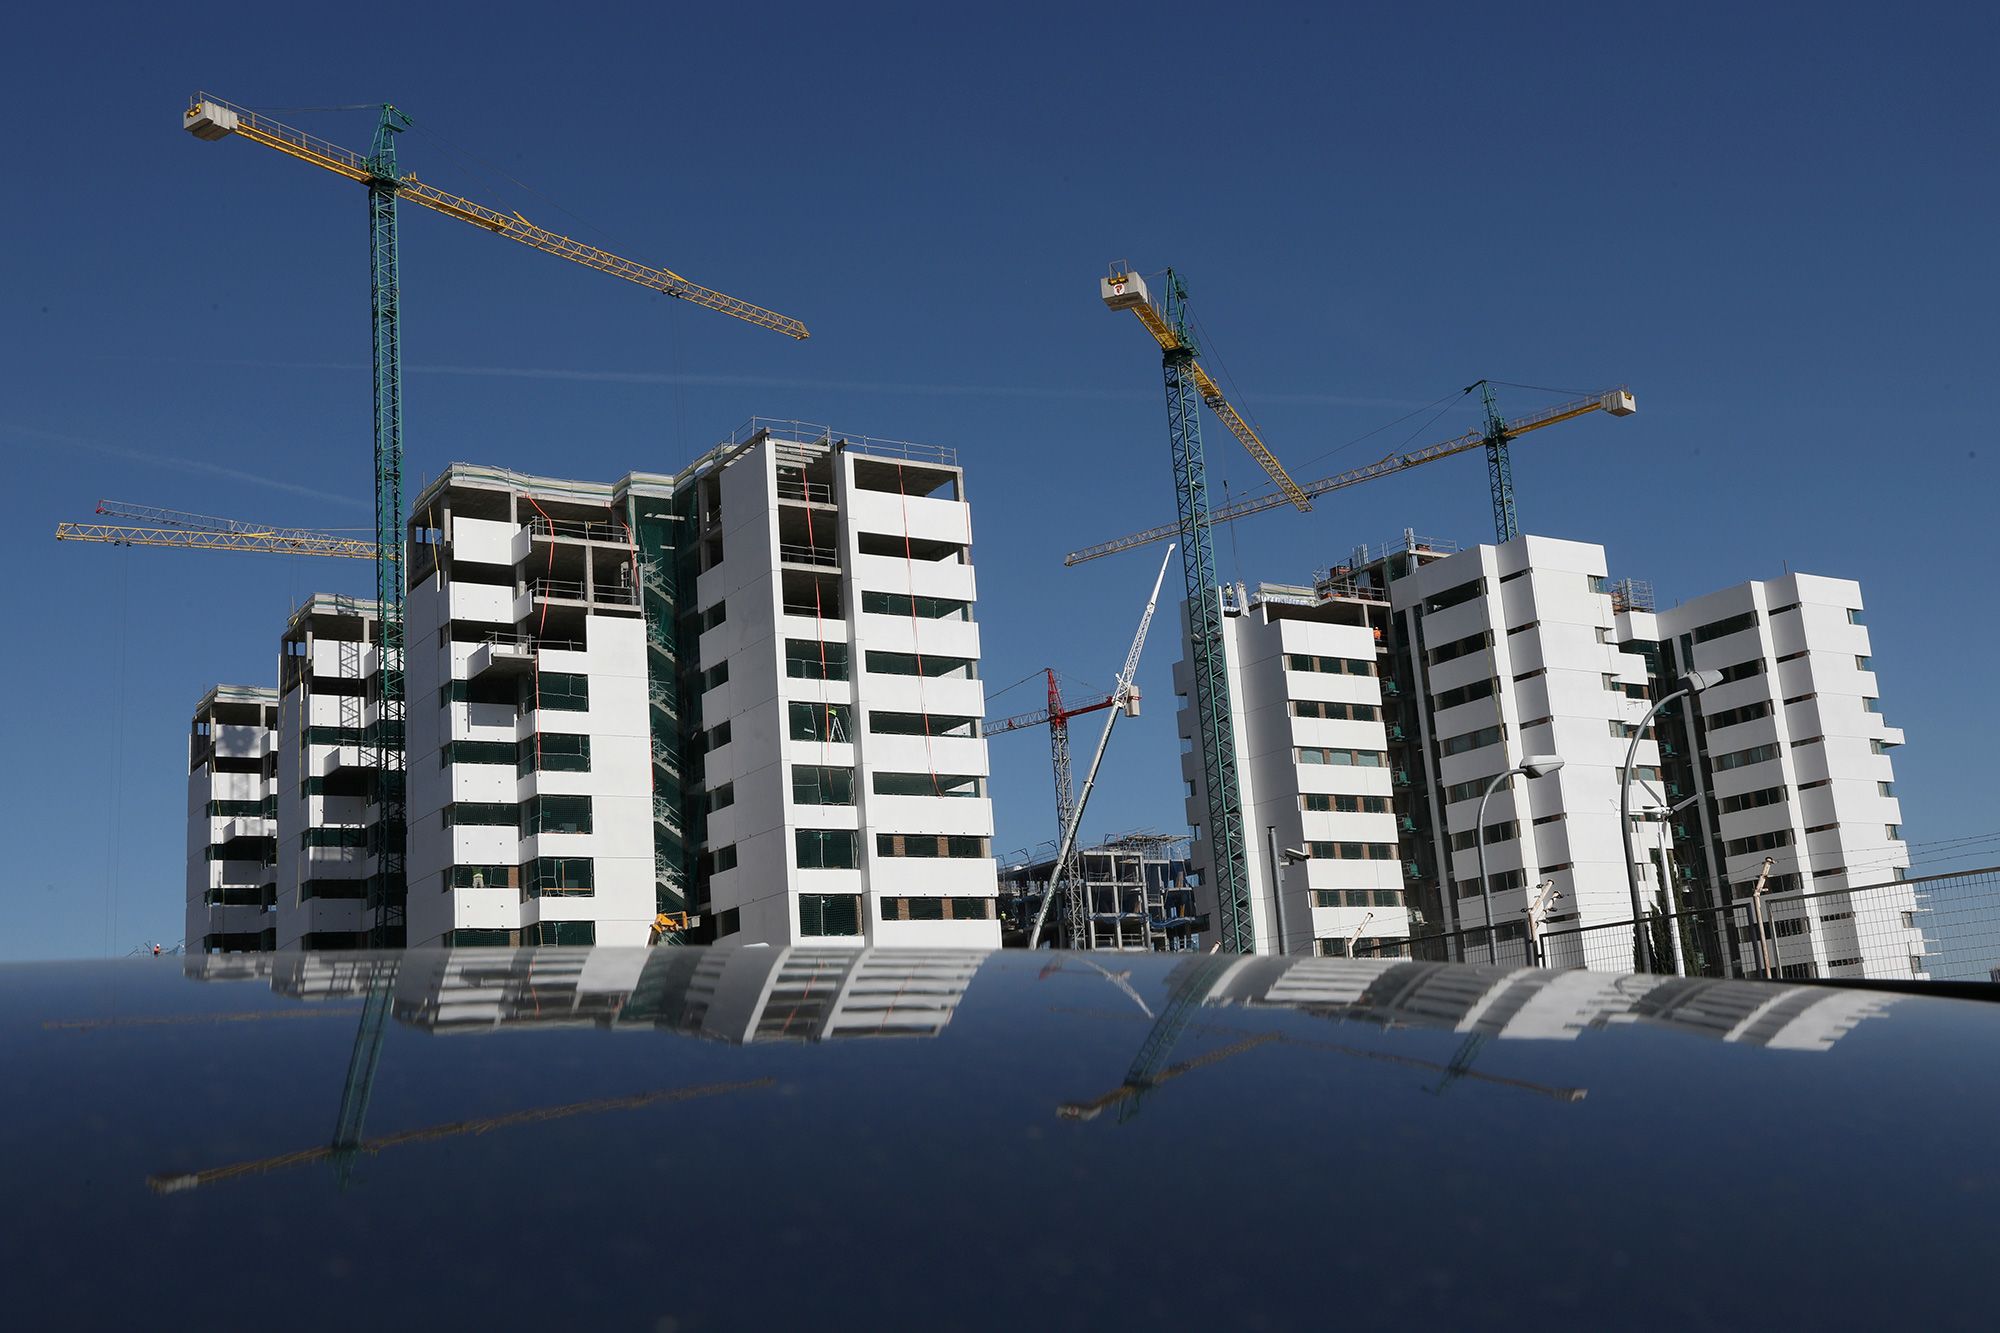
(1135, 885)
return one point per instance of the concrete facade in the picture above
(232, 829)
(1506, 652)
(1789, 758)
(748, 692)
(326, 782)
(1306, 701)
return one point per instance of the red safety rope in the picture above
(910, 575)
(535, 658)
(819, 630)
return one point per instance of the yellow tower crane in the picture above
(202, 532)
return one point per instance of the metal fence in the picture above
(1932, 928)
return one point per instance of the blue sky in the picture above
(1776, 230)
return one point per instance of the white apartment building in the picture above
(1789, 758)
(840, 712)
(328, 719)
(1305, 695)
(748, 692)
(1504, 652)
(531, 809)
(232, 825)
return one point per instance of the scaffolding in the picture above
(1136, 890)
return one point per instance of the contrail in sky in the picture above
(712, 380)
(194, 465)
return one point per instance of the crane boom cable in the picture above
(1395, 462)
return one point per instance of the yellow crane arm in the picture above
(211, 118)
(1617, 402)
(1170, 341)
(1288, 489)
(195, 539)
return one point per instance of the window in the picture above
(1336, 712)
(1500, 832)
(555, 752)
(1738, 759)
(720, 798)
(952, 846)
(829, 914)
(476, 752)
(1730, 717)
(714, 676)
(816, 784)
(1596, 583)
(1864, 664)
(937, 909)
(1473, 740)
(1344, 805)
(1716, 629)
(723, 858)
(1349, 666)
(558, 877)
(821, 722)
(1870, 704)
(1788, 606)
(715, 615)
(1894, 832)
(1603, 634)
(1465, 694)
(916, 664)
(1351, 851)
(928, 784)
(556, 814)
(562, 691)
(502, 692)
(1885, 789)
(1751, 800)
(922, 724)
(806, 659)
(1450, 597)
(559, 932)
(1465, 791)
(1800, 698)
(1457, 648)
(1320, 754)
(487, 814)
(1798, 971)
(1854, 616)
(1762, 842)
(1743, 670)
(715, 737)
(902, 604)
(1499, 882)
(824, 849)
(333, 735)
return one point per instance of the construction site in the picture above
(742, 702)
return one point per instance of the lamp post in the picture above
(1692, 683)
(1534, 766)
(1290, 856)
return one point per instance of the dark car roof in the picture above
(748, 1137)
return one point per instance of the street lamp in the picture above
(1534, 766)
(1692, 683)
(1290, 856)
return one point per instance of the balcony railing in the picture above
(576, 530)
(808, 555)
(798, 488)
(569, 590)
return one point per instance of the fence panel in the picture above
(1935, 927)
